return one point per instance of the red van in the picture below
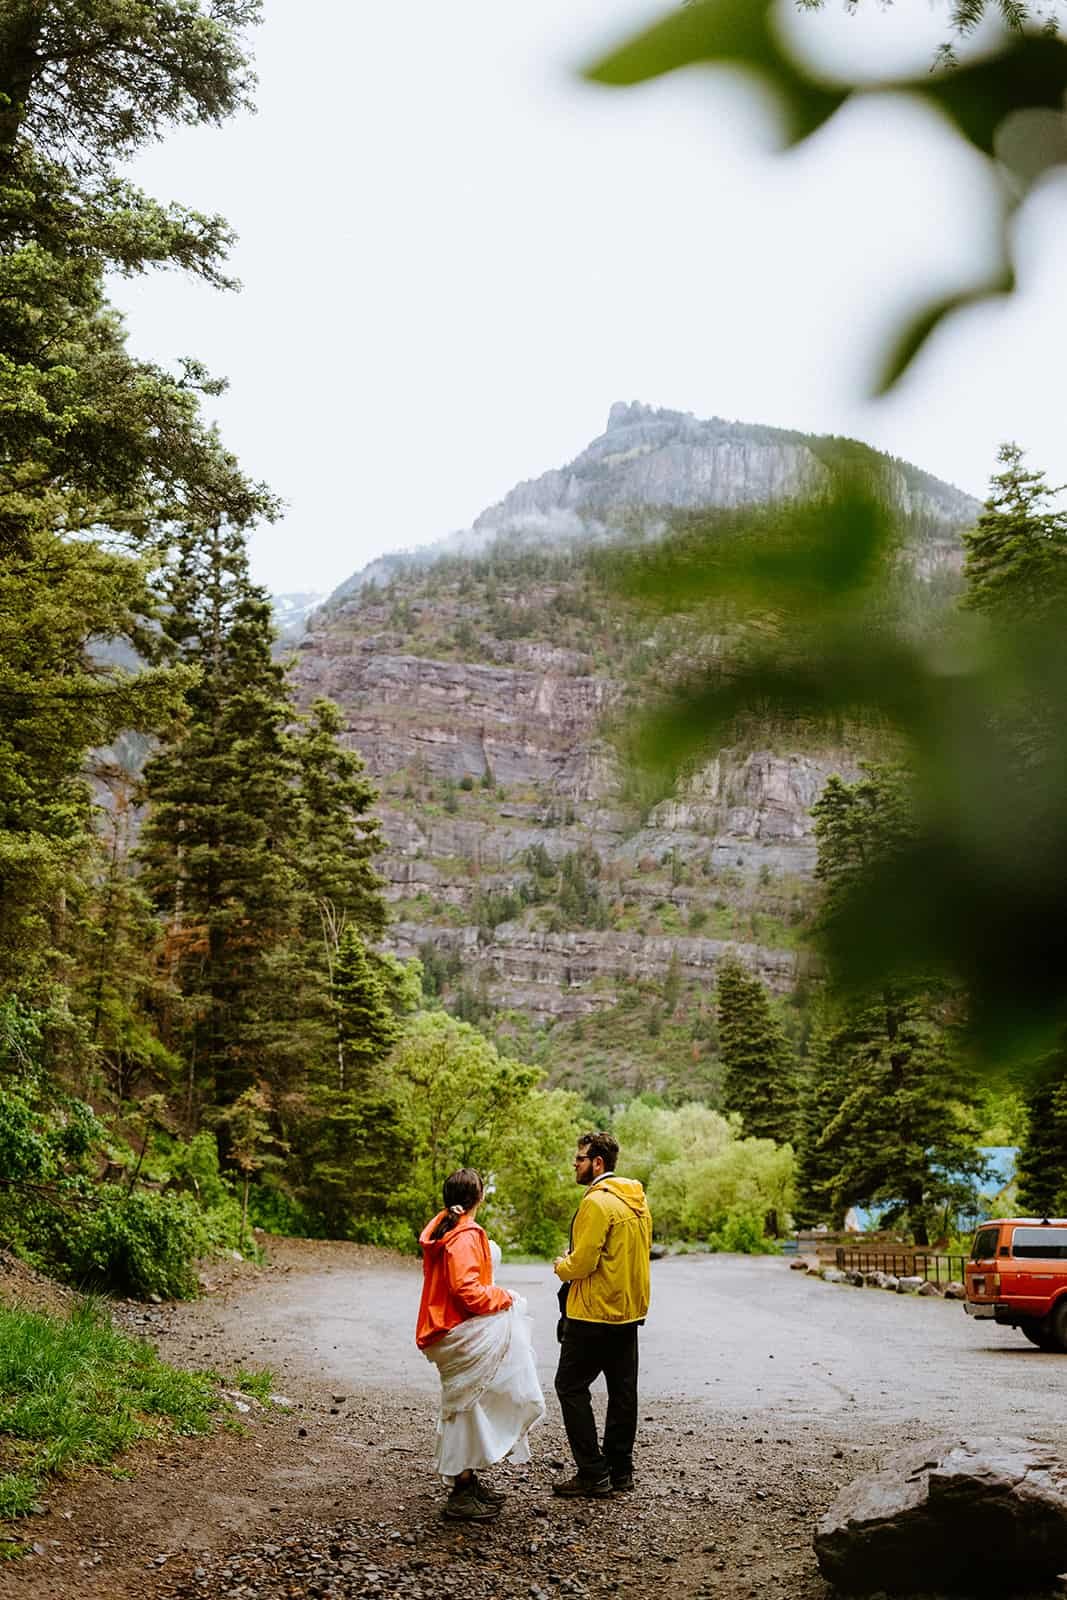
(1017, 1274)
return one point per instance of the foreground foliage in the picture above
(73, 1391)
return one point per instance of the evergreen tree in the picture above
(58, 698)
(759, 1069)
(337, 839)
(98, 453)
(1015, 562)
(901, 1138)
(366, 1027)
(221, 815)
(823, 1088)
(353, 1141)
(1043, 1156)
(857, 828)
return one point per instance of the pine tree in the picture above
(1015, 562)
(222, 808)
(759, 1068)
(1043, 1156)
(98, 452)
(901, 1138)
(353, 1141)
(823, 1088)
(335, 843)
(366, 1027)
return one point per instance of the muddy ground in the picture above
(762, 1392)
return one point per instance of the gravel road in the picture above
(763, 1391)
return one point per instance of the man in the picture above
(604, 1300)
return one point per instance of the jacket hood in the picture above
(427, 1243)
(628, 1190)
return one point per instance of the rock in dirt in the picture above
(965, 1516)
(909, 1285)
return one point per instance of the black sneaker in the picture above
(579, 1488)
(489, 1497)
(622, 1482)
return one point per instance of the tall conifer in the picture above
(354, 1142)
(759, 1068)
(1015, 562)
(221, 797)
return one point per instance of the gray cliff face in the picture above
(480, 701)
(670, 459)
(662, 459)
(650, 460)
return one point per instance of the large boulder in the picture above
(972, 1515)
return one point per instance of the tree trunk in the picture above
(19, 66)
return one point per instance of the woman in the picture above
(478, 1338)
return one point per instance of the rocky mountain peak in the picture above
(627, 413)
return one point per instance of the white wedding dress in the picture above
(490, 1394)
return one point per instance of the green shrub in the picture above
(743, 1232)
(389, 1233)
(136, 1244)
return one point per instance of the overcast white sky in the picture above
(456, 256)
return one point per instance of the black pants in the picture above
(587, 1350)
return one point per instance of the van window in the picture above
(1033, 1244)
(985, 1244)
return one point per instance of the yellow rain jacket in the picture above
(607, 1264)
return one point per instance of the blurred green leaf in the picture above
(911, 338)
(1026, 73)
(815, 552)
(977, 709)
(736, 33)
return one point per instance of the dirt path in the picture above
(762, 1392)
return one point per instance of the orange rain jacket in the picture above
(457, 1280)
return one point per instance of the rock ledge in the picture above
(972, 1515)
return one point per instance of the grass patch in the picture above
(259, 1384)
(74, 1391)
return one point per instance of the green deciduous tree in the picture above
(759, 1067)
(460, 1097)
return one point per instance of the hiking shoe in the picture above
(488, 1496)
(463, 1505)
(622, 1482)
(579, 1488)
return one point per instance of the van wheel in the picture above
(1057, 1321)
(1040, 1334)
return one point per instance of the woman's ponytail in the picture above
(462, 1190)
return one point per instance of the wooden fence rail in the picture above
(903, 1263)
